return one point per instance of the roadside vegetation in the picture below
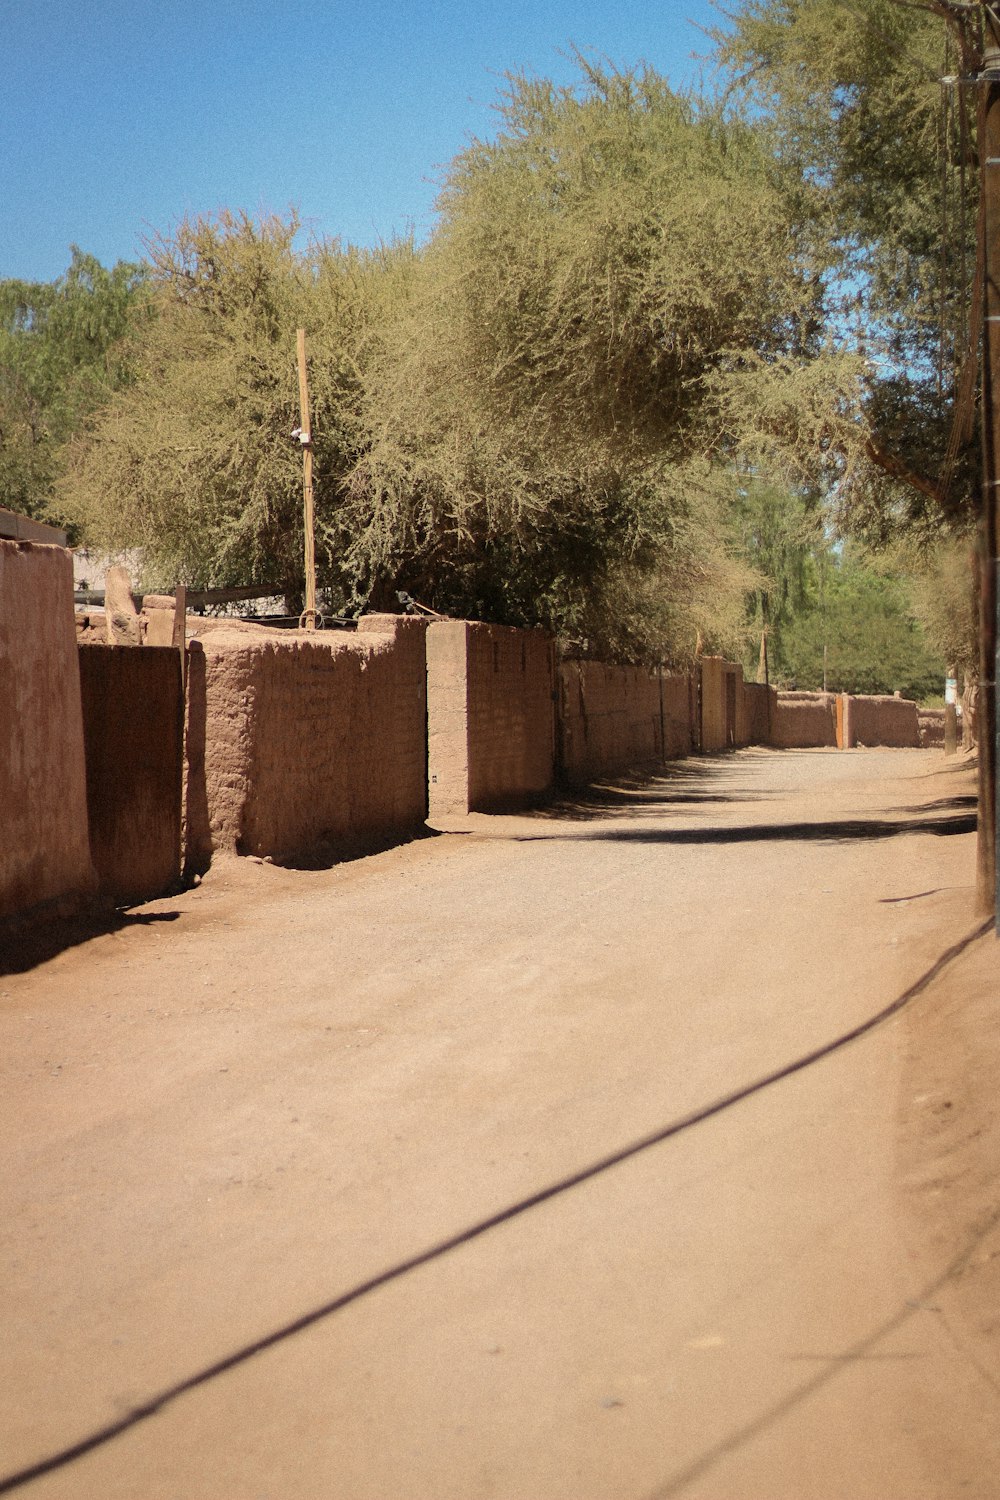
(668, 371)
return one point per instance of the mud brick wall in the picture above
(713, 704)
(612, 717)
(678, 730)
(803, 721)
(758, 701)
(133, 720)
(930, 722)
(609, 718)
(490, 716)
(881, 720)
(724, 721)
(45, 850)
(737, 709)
(304, 744)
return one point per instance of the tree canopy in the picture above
(654, 349)
(862, 99)
(61, 355)
(524, 419)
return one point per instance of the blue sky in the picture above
(118, 117)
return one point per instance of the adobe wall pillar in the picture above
(45, 850)
(448, 718)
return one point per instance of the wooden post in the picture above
(308, 618)
(989, 155)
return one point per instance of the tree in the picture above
(195, 462)
(778, 530)
(522, 421)
(860, 634)
(883, 158)
(869, 105)
(546, 428)
(61, 354)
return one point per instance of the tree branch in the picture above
(897, 468)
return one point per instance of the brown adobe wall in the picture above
(930, 722)
(882, 720)
(678, 731)
(44, 851)
(758, 700)
(133, 719)
(737, 717)
(724, 720)
(609, 719)
(490, 716)
(803, 721)
(299, 744)
(713, 704)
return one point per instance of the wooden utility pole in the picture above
(308, 617)
(989, 731)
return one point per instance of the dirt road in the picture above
(443, 1174)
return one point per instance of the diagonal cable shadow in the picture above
(161, 1399)
(863, 1349)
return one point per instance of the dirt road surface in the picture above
(445, 1174)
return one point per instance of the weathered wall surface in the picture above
(448, 717)
(882, 721)
(133, 720)
(930, 722)
(678, 715)
(490, 715)
(758, 700)
(737, 717)
(713, 704)
(44, 849)
(302, 743)
(609, 718)
(803, 721)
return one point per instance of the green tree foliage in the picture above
(860, 634)
(779, 532)
(61, 354)
(548, 405)
(944, 585)
(883, 156)
(195, 462)
(523, 421)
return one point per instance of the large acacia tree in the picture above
(547, 427)
(527, 419)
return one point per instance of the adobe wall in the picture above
(304, 743)
(930, 723)
(758, 707)
(45, 851)
(490, 716)
(678, 715)
(881, 720)
(609, 718)
(133, 721)
(737, 706)
(803, 721)
(713, 704)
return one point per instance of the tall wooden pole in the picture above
(308, 618)
(989, 731)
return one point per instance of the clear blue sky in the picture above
(117, 117)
